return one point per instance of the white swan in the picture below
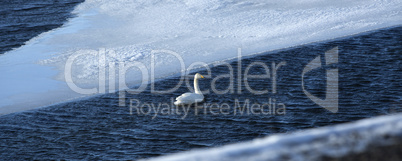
(190, 98)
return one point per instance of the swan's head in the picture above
(198, 76)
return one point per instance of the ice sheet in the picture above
(208, 31)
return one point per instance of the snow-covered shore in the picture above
(378, 138)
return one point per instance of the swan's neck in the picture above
(196, 87)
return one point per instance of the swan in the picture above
(190, 98)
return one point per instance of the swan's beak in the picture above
(201, 76)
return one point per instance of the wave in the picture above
(106, 34)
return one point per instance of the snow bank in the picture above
(332, 142)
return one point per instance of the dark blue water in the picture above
(370, 84)
(21, 20)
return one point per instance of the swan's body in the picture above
(191, 98)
